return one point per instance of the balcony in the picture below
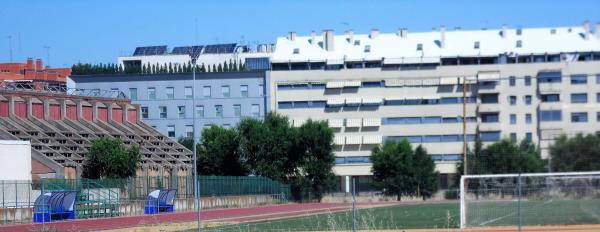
(483, 108)
(490, 126)
(550, 87)
(488, 87)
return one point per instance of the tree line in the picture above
(147, 68)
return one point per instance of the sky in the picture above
(99, 31)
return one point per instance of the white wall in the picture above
(15, 160)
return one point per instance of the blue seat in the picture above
(160, 200)
(55, 205)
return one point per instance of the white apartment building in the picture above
(522, 83)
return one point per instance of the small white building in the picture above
(15, 160)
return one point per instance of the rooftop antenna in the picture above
(196, 30)
(47, 55)
(10, 48)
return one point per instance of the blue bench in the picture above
(55, 205)
(160, 200)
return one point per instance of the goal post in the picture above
(530, 199)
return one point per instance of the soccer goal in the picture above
(530, 199)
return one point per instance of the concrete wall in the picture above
(15, 160)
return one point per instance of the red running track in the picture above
(236, 214)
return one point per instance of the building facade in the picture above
(524, 84)
(166, 99)
(36, 73)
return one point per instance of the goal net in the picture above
(530, 199)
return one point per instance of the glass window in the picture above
(419, 47)
(151, 93)
(528, 136)
(432, 138)
(219, 111)
(550, 97)
(449, 100)
(367, 48)
(199, 111)
(451, 120)
(171, 131)
(512, 100)
(550, 115)
(144, 110)
(133, 93)
(598, 97)
(519, 43)
(513, 137)
(579, 98)
(512, 80)
(528, 119)
(255, 110)
(318, 104)
(527, 99)
(301, 104)
(513, 119)
(489, 117)
(450, 138)
(579, 79)
(598, 117)
(163, 111)
(285, 105)
(237, 110)
(432, 119)
(488, 136)
(597, 78)
(181, 111)
(170, 91)
(225, 90)
(188, 92)
(244, 91)
(527, 80)
(579, 117)
(261, 90)
(550, 77)
(206, 92)
(476, 45)
(489, 98)
(368, 84)
(189, 131)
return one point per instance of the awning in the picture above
(448, 80)
(431, 97)
(372, 122)
(335, 102)
(488, 76)
(353, 122)
(413, 98)
(353, 101)
(392, 61)
(339, 140)
(469, 80)
(336, 123)
(413, 82)
(372, 101)
(372, 139)
(334, 84)
(431, 81)
(394, 82)
(353, 139)
(335, 62)
(352, 83)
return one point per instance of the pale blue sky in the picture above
(99, 31)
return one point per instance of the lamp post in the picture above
(197, 203)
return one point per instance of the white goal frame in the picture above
(463, 210)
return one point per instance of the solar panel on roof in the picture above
(150, 50)
(220, 48)
(194, 50)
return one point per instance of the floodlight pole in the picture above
(197, 203)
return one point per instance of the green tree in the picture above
(425, 174)
(575, 154)
(214, 68)
(110, 158)
(225, 67)
(392, 168)
(219, 153)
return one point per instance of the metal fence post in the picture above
(520, 215)
(353, 204)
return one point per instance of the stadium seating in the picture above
(160, 200)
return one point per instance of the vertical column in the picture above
(110, 112)
(94, 111)
(347, 184)
(124, 112)
(11, 106)
(79, 110)
(63, 108)
(29, 107)
(46, 103)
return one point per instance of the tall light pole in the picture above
(197, 204)
(10, 48)
(47, 55)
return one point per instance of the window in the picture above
(225, 90)
(163, 111)
(181, 111)
(527, 99)
(133, 93)
(144, 112)
(550, 97)
(489, 117)
(476, 45)
(513, 119)
(151, 93)
(597, 78)
(432, 138)
(261, 90)
(171, 131)
(237, 110)
(170, 91)
(206, 91)
(528, 119)
(598, 117)
(488, 136)
(512, 100)
(513, 137)
(189, 131)
(519, 31)
(296, 50)
(368, 84)
(519, 43)
(219, 111)
(419, 47)
(527, 80)
(367, 48)
(550, 77)
(199, 111)
(489, 98)
(255, 110)
(579, 98)
(432, 119)
(114, 89)
(528, 136)
(579, 117)
(285, 105)
(512, 80)
(187, 91)
(550, 115)
(598, 97)
(244, 91)
(580, 79)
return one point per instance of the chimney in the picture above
(597, 30)
(29, 65)
(328, 39)
(443, 36)
(350, 35)
(586, 30)
(292, 36)
(403, 32)
(313, 37)
(503, 31)
(374, 33)
(38, 65)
